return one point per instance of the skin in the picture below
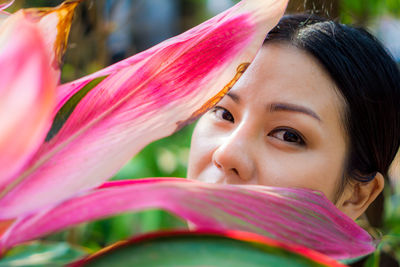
(280, 125)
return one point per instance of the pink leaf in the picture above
(26, 95)
(139, 100)
(294, 216)
(55, 23)
(29, 76)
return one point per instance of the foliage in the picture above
(42, 254)
(362, 12)
(205, 248)
(162, 158)
(168, 157)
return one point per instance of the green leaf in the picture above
(42, 254)
(373, 260)
(197, 249)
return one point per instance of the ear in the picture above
(358, 195)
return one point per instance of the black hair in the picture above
(368, 79)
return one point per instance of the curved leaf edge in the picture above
(123, 185)
(243, 236)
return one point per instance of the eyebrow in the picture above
(234, 97)
(273, 107)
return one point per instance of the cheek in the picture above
(311, 170)
(201, 148)
(330, 174)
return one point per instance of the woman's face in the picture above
(280, 125)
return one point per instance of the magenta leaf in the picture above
(294, 216)
(30, 42)
(27, 94)
(55, 23)
(140, 100)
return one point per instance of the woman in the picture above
(318, 108)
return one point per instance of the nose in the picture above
(235, 158)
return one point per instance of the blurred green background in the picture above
(105, 31)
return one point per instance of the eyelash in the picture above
(219, 108)
(300, 138)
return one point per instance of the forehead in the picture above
(283, 73)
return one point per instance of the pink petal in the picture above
(26, 95)
(55, 25)
(139, 100)
(289, 215)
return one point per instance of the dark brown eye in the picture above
(288, 135)
(223, 114)
(291, 137)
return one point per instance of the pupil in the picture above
(290, 137)
(226, 116)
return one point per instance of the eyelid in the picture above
(217, 108)
(303, 140)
